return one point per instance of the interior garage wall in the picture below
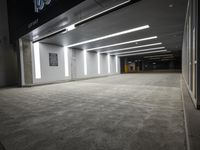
(92, 64)
(112, 64)
(190, 53)
(50, 73)
(104, 64)
(8, 58)
(76, 64)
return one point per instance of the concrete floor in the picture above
(123, 112)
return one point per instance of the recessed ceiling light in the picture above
(73, 26)
(123, 43)
(134, 54)
(135, 47)
(110, 35)
(143, 50)
(159, 55)
(171, 5)
(100, 13)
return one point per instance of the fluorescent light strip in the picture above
(108, 63)
(66, 60)
(103, 11)
(98, 63)
(110, 35)
(117, 65)
(159, 55)
(143, 50)
(85, 62)
(143, 53)
(135, 47)
(73, 26)
(37, 60)
(123, 43)
(70, 28)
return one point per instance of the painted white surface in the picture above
(104, 64)
(76, 60)
(92, 60)
(51, 73)
(66, 61)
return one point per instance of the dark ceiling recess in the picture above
(98, 15)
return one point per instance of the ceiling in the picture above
(165, 17)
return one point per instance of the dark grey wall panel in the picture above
(190, 54)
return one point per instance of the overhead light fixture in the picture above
(123, 43)
(135, 54)
(158, 55)
(154, 58)
(135, 47)
(100, 14)
(73, 26)
(110, 36)
(143, 50)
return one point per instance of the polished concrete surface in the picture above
(123, 112)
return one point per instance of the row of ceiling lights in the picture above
(118, 51)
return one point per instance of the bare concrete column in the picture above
(26, 62)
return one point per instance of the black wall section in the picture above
(23, 18)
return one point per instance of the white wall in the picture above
(50, 73)
(79, 64)
(92, 64)
(76, 64)
(8, 58)
(104, 64)
(112, 64)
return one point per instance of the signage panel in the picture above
(26, 15)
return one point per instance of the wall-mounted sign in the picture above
(26, 15)
(40, 4)
(53, 59)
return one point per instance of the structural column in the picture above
(26, 62)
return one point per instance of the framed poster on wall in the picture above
(53, 59)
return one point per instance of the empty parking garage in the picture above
(99, 75)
